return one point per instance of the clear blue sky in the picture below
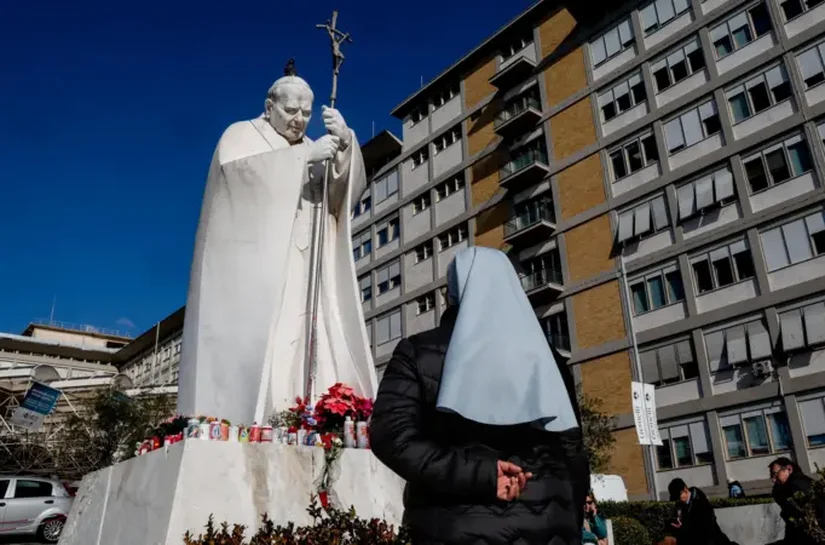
(110, 111)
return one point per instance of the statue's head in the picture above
(288, 106)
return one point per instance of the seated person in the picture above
(594, 529)
(695, 522)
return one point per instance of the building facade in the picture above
(657, 175)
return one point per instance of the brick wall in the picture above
(581, 187)
(599, 316)
(565, 77)
(477, 85)
(490, 226)
(572, 129)
(628, 461)
(588, 248)
(608, 379)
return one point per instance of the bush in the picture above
(328, 526)
(627, 531)
(653, 515)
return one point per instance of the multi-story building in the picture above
(657, 175)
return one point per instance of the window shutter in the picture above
(813, 416)
(686, 198)
(797, 242)
(815, 323)
(809, 63)
(774, 248)
(597, 52)
(625, 31)
(759, 340)
(611, 41)
(792, 334)
(684, 352)
(642, 215)
(776, 76)
(676, 57)
(715, 344)
(395, 325)
(699, 436)
(395, 269)
(693, 127)
(660, 220)
(625, 226)
(667, 360)
(815, 223)
(737, 347)
(723, 180)
(650, 371)
(673, 134)
(704, 192)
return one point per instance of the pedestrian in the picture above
(594, 530)
(695, 522)
(735, 489)
(481, 420)
(788, 481)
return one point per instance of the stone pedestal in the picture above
(154, 499)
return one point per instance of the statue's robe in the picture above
(245, 325)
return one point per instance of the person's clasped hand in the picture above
(511, 481)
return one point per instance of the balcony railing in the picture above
(541, 278)
(559, 341)
(516, 107)
(524, 160)
(534, 214)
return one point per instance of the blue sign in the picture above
(39, 403)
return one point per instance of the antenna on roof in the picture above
(51, 315)
(373, 129)
(422, 81)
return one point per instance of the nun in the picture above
(481, 420)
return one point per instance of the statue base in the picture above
(155, 498)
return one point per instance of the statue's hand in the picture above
(335, 124)
(324, 148)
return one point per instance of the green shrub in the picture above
(653, 515)
(328, 526)
(627, 531)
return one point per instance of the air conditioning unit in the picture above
(761, 369)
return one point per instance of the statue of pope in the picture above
(245, 325)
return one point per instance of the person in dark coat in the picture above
(479, 416)
(695, 518)
(789, 480)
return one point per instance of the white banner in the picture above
(642, 430)
(644, 413)
(650, 414)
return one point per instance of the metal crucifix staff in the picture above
(319, 221)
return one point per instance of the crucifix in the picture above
(319, 220)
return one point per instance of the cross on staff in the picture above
(319, 221)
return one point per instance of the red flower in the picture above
(292, 429)
(323, 496)
(326, 439)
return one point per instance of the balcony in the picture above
(531, 227)
(560, 342)
(543, 285)
(525, 170)
(515, 72)
(518, 117)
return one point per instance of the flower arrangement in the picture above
(338, 403)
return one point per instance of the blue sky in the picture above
(110, 111)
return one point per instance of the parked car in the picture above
(33, 505)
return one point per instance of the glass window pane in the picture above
(634, 156)
(657, 292)
(625, 33)
(780, 431)
(673, 135)
(704, 280)
(640, 303)
(813, 420)
(723, 46)
(649, 146)
(811, 67)
(684, 455)
(661, 75)
(778, 166)
(611, 40)
(800, 158)
(755, 172)
(649, 21)
(617, 161)
(734, 441)
(761, 19)
(597, 52)
(663, 455)
(675, 290)
(724, 271)
(664, 11)
(757, 435)
(692, 126)
(739, 107)
(650, 367)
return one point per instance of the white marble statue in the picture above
(244, 331)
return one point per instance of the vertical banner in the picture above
(39, 403)
(639, 418)
(650, 414)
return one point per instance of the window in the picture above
(425, 303)
(668, 364)
(758, 94)
(813, 421)
(756, 433)
(740, 30)
(558, 332)
(446, 95)
(794, 8)
(421, 203)
(388, 277)
(622, 97)
(686, 60)
(516, 45)
(803, 327)
(387, 232)
(691, 127)
(442, 293)
(737, 345)
(361, 245)
(722, 267)
(448, 187)
(388, 327)
(656, 290)
(706, 192)
(541, 270)
(794, 242)
(32, 489)
(633, 156)
(4, 486)
(636, 222)
(659, 13)
(777, 164)
(447, 139)
(686, 445)
(365, 285)
(811, 65)
(419, 114)
(386, 187)
(452, 237)
(420, 157)
(363, 205)
(611, 43)
(423, 252)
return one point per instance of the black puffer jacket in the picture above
(449, 463)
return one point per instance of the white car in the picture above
(33, 505)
